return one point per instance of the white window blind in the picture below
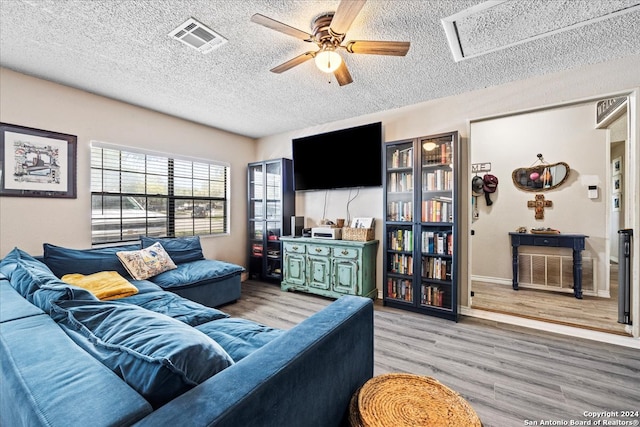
(135, 193)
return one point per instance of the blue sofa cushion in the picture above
(195, 273)
(180, 249)
(239, 337)
(8, 263)
(173, 305)
(85, 261)
(36, 283)
(156, 355)
(145, 286)
(15, 256)
(12, 305)
(52, 291)
(47, 380)
(18, 277)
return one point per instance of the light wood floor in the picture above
(507, 373)
(595, 313)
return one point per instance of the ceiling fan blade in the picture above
(283, 28)
(342, 75)
(293, 62)
(378, 47)
(345, 14)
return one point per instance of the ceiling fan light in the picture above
(328, 60)
(429, 146)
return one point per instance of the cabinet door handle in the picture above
(295, 248)
(345, 252)
(318, 250)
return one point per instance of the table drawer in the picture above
(319, 250)
(348, 253)
(545, 241)
(295, 248)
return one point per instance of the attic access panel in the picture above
(498, 24)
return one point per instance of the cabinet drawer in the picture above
(319, 250)
(544, 241)
(295, 248)
(349, 253)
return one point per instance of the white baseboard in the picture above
(495, 280)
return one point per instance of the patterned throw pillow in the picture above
(146, 262)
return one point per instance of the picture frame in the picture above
(616, 166)
(37, 162)
(616, 184)
(615, 202)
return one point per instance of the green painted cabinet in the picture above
(330, 268)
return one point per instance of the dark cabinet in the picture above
(271, 204)
(420, 231)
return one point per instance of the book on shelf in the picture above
(399, 211)
(437, 180)
(432, 295)
(401, 264)
(401, 240)
(437, 242)
(400, 289)
(400, 182)
(437, 210)
(402, 158)
(441, 154)
(436, 268)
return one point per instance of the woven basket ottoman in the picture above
(398, 400)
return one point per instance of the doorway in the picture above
(561, 134)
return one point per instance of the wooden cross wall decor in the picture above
(539, 204)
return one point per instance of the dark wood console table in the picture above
(576, 242)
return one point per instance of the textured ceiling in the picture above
(121, 49)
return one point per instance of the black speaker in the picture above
(297, 224)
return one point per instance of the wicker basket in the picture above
(358, 234)
(397, 400)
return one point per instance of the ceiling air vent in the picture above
(198, 36)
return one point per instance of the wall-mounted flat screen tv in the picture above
(345, 158)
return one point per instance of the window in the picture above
(136, 193)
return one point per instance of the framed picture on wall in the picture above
(616, 184)
(36, 162)
(616, 202)
(616, 166)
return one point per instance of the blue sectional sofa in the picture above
(210, 282)
(154, 358)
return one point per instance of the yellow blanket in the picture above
(105, 285)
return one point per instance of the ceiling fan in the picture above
(329, 31)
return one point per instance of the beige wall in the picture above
(567, 135)
(455, 113)
(28, 222)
